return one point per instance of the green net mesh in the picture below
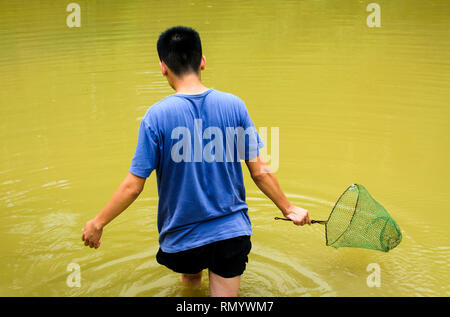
(357, 220)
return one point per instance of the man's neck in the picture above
(189, 84)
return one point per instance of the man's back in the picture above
(195, 143)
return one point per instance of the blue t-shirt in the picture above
(196, 144)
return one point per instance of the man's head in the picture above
(180, 49)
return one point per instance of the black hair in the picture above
(180, 49)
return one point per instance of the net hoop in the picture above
(331, 213)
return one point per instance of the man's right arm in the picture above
(268, 184)
(127, 192)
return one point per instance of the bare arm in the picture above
(268, 184)
(127, 193)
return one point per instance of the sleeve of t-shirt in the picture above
(146, 156)
(253, 142)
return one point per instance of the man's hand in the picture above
(92, 233)
(299, 216)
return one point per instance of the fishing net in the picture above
(358, 220)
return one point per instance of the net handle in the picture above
(322, 222)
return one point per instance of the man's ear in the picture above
(163, 67)
(203, 63)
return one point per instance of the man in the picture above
(195, 139)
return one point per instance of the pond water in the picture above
(353, 104)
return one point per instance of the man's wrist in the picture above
(286, 210)
(99, 224)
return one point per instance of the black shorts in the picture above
(226, 258)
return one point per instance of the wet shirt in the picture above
(195, 143)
